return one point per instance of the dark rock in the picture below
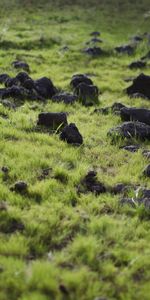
(137, 38)
(135, 114)
(22, 77)
(45, 88)
(131, 130)
(147, 171)
(21, 65)
(145, 193)
(116, 107)
(52, 120)
(94, 51)
(141, 84)
(131, 148)
(96, 40)
(5, 169)
(87, 94)
(137, 65)
(80, 78)
(20, 187)
(91, 184)
(3, 78)
(71, 135)
(125, 49)
(29, 84)
(120, 188)
(64, 97)
(95, 33)
(11, 81)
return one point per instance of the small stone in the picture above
(52, 120)
(71, 135)
(20, 187)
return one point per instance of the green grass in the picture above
(55, 243)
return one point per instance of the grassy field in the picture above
(55, 243)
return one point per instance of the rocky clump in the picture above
(137, 65)
(21, 65)
(52, 120)
(131, 130)
(80, 78)
(24, 87)
(90, 184)
(65, 97)
(125, 49)
(141, 84)
(94, 51)
(87, 94)
(135, 114)
(71, 135)
(84, 89)
(20, 187)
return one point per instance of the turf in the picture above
(55, 243)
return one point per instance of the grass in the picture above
(55, 243)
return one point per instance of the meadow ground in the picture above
(55, 243)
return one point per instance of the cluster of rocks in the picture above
(93, 49)
(23, 87)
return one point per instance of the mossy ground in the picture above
(55, 244)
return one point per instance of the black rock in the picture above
(87, 94)
(137, 38)
(91, 184)
(94, 51)
(9, 82)
(3, 78)
(95, 33)
(20, 187)
(131, 130)
(147, 171)
(22, 77)
(45, 88)
(125, 49)
(119, 188)
(96, 40)
(116, 107)
(141, 85)
(21, 65)
(64, 97)
(71, 135)
(135, 114)
(5, 169)
(131, 148)
(137, 65)
(52, 120)
(80, 78)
